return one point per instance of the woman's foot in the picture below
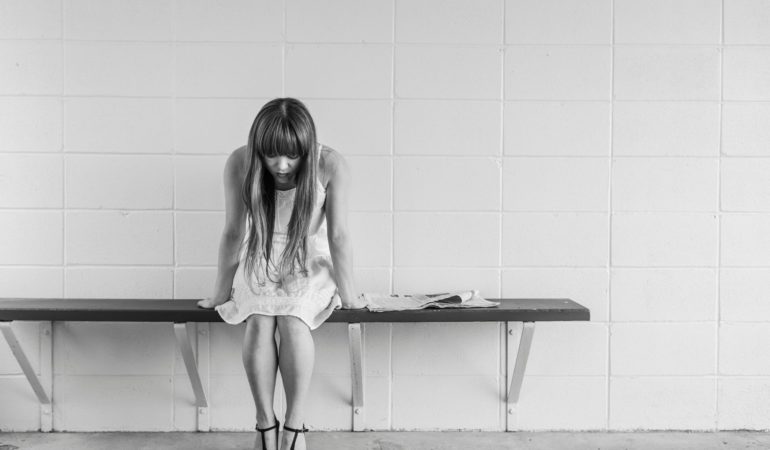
(288, 438)
(267, 438)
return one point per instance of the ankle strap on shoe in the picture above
(277, 423)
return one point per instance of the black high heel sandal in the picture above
(262, 432)
(294, 441)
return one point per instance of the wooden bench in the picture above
(188, 319)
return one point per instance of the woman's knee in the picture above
(260, 325)
(291, 325)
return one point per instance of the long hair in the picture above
(282, 127)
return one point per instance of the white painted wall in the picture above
(614, 152)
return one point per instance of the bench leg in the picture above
(46, 373)
(518, 342)
(355, 344)
(204, 424)
(183, 343)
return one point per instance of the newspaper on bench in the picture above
(404, 302)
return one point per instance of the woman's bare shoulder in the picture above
(237, 162)
(330, 161)
(240, 154)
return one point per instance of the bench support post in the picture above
(26, 367)
(183, 343)
(355, 344)
(518, 343)
(46, 373)
(203, 346)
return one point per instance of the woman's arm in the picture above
(232, 235)
(340, 243)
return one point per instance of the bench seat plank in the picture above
(182, 310)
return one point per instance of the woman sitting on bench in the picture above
(285, 256)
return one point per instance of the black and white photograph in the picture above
(385, 224)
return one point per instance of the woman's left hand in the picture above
(359, 303)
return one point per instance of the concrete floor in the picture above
(394, 441)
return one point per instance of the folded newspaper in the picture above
(404, 302)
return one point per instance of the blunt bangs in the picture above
(280, 137)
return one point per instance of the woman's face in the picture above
(283, 168)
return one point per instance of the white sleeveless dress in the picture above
(313, 297)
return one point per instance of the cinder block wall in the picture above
(614, 152)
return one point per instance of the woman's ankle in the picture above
(294, 422)
(266, 422)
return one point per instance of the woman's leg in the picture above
(297, 355)
(260, 359)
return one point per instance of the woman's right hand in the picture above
(210, 302)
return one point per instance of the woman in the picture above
(285, 257)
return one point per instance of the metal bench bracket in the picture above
(46, 367)
(181, 330)
(355, 342)
(26, 367)
(518, 343)
(203, 347)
